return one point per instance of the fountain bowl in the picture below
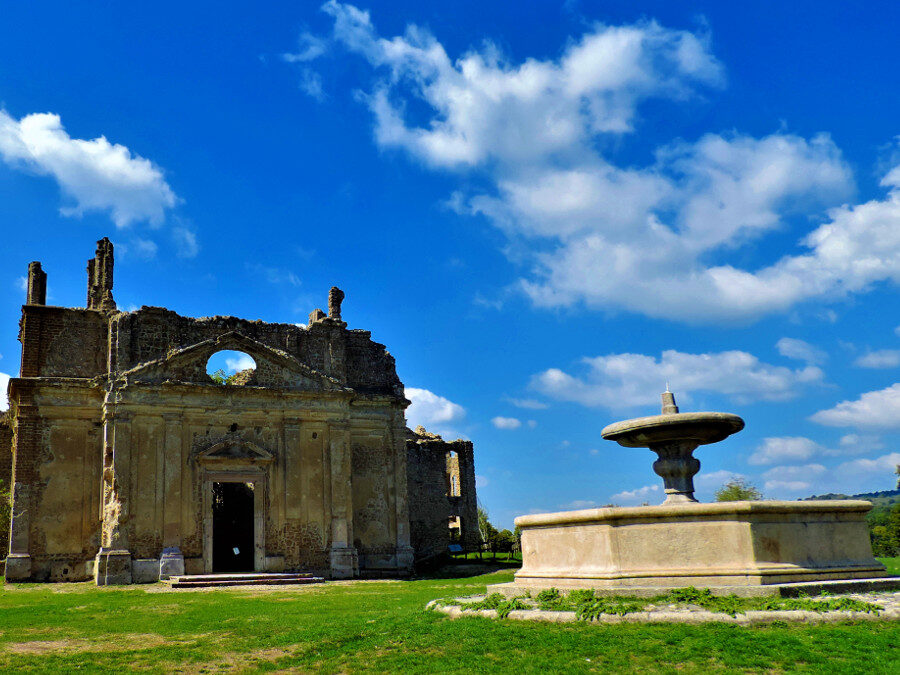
(700, 427)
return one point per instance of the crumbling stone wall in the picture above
(120, 435)
(441, 486)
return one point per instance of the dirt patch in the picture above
(120, 643)
(231, 662)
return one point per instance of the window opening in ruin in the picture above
(233, 535)
(455, 529)
(230, 367)
(454, 486)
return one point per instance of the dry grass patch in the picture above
(122, 643)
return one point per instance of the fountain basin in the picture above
(701, 428)
(721, 545)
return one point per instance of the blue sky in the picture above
(544, 212)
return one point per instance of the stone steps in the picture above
(244, 579)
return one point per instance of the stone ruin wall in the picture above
(69, 357)
(6, 441)
(431, 465)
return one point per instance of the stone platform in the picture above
(729, 545)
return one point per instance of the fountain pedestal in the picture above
(726, 546)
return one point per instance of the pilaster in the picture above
(343, 555)
(113, 563)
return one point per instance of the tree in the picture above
(738, 490)
(485, 529)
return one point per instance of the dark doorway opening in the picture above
(233, 527)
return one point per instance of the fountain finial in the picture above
(668, 402)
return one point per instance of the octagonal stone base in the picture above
(705, 545)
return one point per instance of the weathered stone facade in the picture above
(439, 517)
(121, 442)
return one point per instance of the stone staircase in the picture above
(243, 579)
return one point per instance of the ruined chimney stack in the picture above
(37, 285)
(100, 277)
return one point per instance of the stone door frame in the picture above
(260, 485)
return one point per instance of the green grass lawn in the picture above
(892, 564)
(381, 626)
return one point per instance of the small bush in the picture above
(547, 595)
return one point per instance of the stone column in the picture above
(24, 475)
(405, 552)
(343, 554)
(171, 562)
(113, 561)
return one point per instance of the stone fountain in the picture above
(744, 547)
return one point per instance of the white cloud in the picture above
(309, 47)
(793, 348)
(794, 473)
(481, 481)
(649, 239)
(873, 409)
(627, 380)
(241, 362)
(527, 403)
(886, 464)
(860, 443)
(508, 423)
(485, 108)
(784, 449)
(311, 84)
(186, 242)
(430, 410)
(636, 495)
(881, 358)
(22, 283)
(716, 478)
(787, 485)
(95, 174)
(532, 424)
(4, 383)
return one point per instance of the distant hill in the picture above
(883, 498)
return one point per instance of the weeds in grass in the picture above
(587, 606)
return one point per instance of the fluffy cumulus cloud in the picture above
(627, 380)
(637, 495)
(792, 478)
(800, 350)
(885, 465)
(784, 449)
(880, 358)
(239, 362)
(433, 412)
(4, 383)
(95, 175)
(591, 230)
(508, 423)
(781, 449)
(873, 409)
(527, 403)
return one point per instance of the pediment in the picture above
(275, 368)
(234, 449)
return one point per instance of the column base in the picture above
(344, 563)
(171, 563)
(405, 559)
(18, 567)
(112, 567)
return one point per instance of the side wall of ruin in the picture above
(432, 465)
(6, 450)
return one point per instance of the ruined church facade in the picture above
(130, 464)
